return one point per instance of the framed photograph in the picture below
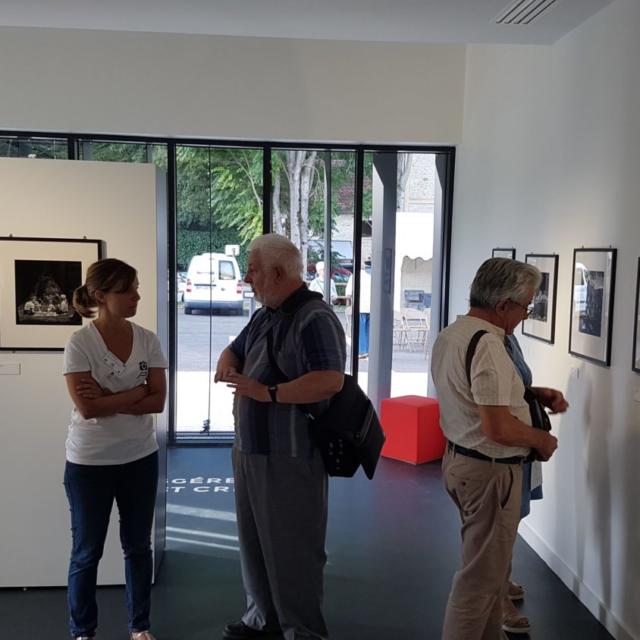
(592, 292)
(541, 323)
(636, 327)
(37, 280)
(501, 252)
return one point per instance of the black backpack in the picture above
(348, 434)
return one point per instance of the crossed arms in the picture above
(92, 401)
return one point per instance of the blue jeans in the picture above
(527, 493)
(91, 490)
(363, 335)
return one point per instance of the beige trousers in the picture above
(487, 495)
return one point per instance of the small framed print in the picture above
(636, 327)
(501, 252)
(541, 322)
(37, 280)
(592, 293)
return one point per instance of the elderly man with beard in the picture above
(280, 479)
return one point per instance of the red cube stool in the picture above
(412, 427)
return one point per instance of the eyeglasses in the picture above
(528, 310)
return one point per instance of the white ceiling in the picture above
(456, 21)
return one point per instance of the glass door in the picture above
(218, 212)
(313, 194)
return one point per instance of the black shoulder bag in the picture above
(539, 417)
(348, 434)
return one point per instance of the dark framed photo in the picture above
(635, 365)
(541, 322)
(592, 294)
(37, 280)
(502, 252)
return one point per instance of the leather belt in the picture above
(472, 453)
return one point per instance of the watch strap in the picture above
(273, 392)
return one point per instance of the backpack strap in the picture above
(272, 359)
(290, 308)
(471, 350)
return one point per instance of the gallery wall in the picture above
(230, 87)
(116, 203)
(549, 162)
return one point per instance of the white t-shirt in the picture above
(494, 381)
(120, 438)
(317, 285)
(365, 290)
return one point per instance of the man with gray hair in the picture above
(292, 353)
(487, 423)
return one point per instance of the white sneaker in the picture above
(142, 635)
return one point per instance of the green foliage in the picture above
(343, 178)
(25, 147)
(193, 186)
(126, 152)
(118, 152)
(236, 195)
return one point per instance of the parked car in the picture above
(213, 283)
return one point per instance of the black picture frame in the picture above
(541, 322)
(635, 362)
(37, 279)
(503, 252)
(592, 295)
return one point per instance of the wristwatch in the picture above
(273, 391)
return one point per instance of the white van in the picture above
(213, 283)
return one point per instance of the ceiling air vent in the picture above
(523, 11)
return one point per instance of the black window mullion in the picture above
(357, 254)
(266, 189)
(172, 259)
(72, 148)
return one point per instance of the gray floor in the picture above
(392, 546)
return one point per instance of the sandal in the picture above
(515, 591)
(513, 621)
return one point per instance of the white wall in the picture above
(230, 87)
(550, 161)
(61, 199)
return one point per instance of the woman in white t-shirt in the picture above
(115, 374)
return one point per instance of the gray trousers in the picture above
(281, 508)
(487, 495)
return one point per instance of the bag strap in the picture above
(272, 358)
(293, 305)
(471, 350)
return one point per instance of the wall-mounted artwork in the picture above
(37, 280)
(502, 252)
(592, 292)
(636, 326)
(541, 322)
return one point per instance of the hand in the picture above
(552, 399)
(223, 373)
(89, 389)
(547, 445)
(248, 387)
